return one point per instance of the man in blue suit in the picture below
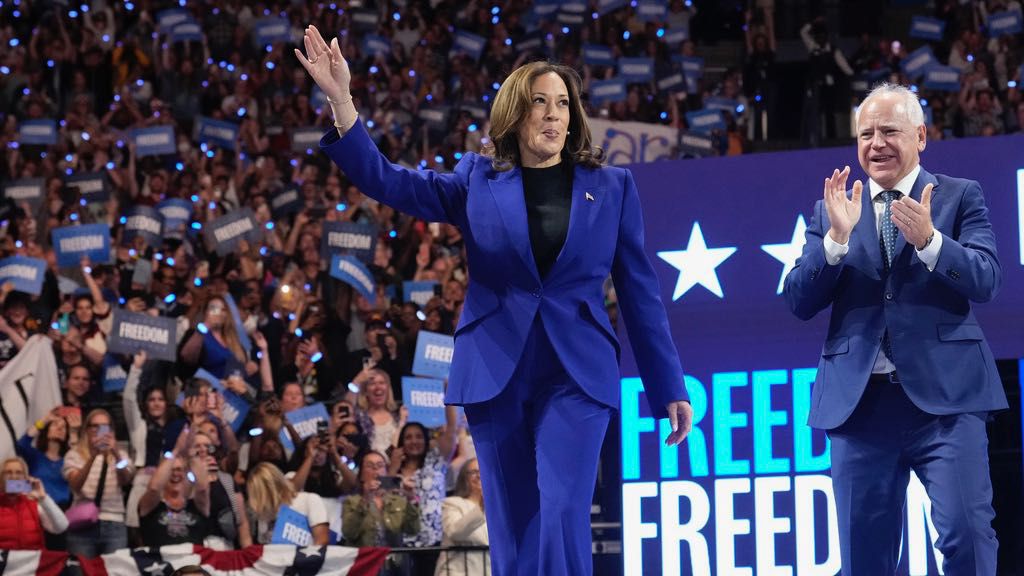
(906, 379)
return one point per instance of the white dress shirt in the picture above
(834, 251)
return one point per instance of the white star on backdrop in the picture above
(788, 253)
(697, 264)
(310, 551)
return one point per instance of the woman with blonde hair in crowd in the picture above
(27, 510)
(376, 410)
(465, 525)
(268, 491)
(96, 470)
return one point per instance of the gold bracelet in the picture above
(349, 127)
(335, 102)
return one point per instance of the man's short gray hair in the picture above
(910, 107)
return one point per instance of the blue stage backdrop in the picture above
(748, 492)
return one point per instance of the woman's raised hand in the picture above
(325, 65)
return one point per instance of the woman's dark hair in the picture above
(143, 399)
(43, 439)
(360, 440)
(426, 440)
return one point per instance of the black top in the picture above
(165, 526)
(548, 193)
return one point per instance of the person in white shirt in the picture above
(464, 524)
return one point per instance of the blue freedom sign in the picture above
(304, 420)
(168, 19)
(651, 10)
(469, 43)
(91, 185)
(270, 30)
(705, 120)
(306, 139)
(608, 6)
(286, 202)
(359, 240)
(544, 8)
(927, 28)
(435, 116)
(144, 222)
(25, 190)
(375, 45)
(570, 18)
(1003, 23)
(39, 132)
(114, 375)
(291, 527)
(72, 242)
(690, 65)
(224, 233)
(602, 91)
(724, 104)
(636, 69)
(352, 272)
(25, 274)
(671, 83)
(187, 31)
(154, 141)
(695, 144)
(676, 36)
(235, 409)
(918, 62)
(424, 397)
(217, 132)
(364, 19)
(433, 356)
(944, 78)
(532, 41)
(418, 292)
(598, 55)
(176, 214)
(132, 332)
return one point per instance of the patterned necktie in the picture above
(887, 233)
(887, 237)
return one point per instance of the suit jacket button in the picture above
(888, 295)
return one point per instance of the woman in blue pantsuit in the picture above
(536, 359)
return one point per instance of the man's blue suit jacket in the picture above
(505, 291)
(941, 356)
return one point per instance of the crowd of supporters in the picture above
(158, 459)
